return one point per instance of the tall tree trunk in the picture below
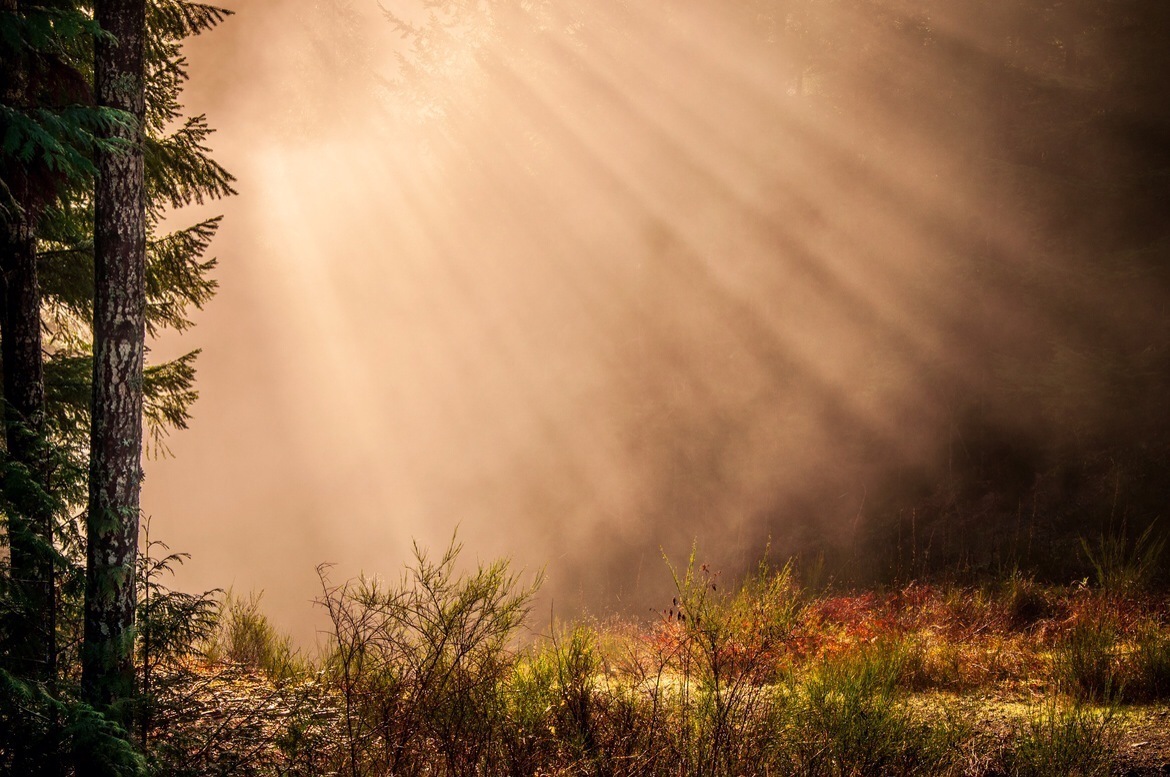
(115, 472)
(30, 527)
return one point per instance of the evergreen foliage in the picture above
(50, 135)
(53, 132)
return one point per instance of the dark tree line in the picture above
(95, 150)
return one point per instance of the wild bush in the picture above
(419, 667)
(723, 649)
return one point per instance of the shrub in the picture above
(724, 647)
(420, 667)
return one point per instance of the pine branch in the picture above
(180, 170)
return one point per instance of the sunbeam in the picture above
(593, 281)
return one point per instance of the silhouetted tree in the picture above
(50, 136)
(31, 517)
(49, 126)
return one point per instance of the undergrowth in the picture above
(437, 673)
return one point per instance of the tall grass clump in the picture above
(245, 636)
(853, 721)
(1149, 665)
(1085, 661)
(575, 712)
(1124, 567)
(419, 667)
(570, 709)
(1025, 602)
(532, 700)
(1065, 740)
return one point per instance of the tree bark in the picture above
(30, 526)
(115, 474)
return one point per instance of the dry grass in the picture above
(759, 678)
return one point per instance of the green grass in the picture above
(1065, 740)
(854, 720)
(244, 636)
(1086, 661)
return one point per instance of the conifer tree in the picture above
(150, 286)
(119, 329)
(49, 126)
(50, 133)
(29, 528)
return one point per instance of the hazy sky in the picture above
(589, 291)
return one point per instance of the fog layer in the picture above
(594, 281)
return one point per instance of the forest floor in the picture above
(1145, 741)
(1142, 744)
(256, 713)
